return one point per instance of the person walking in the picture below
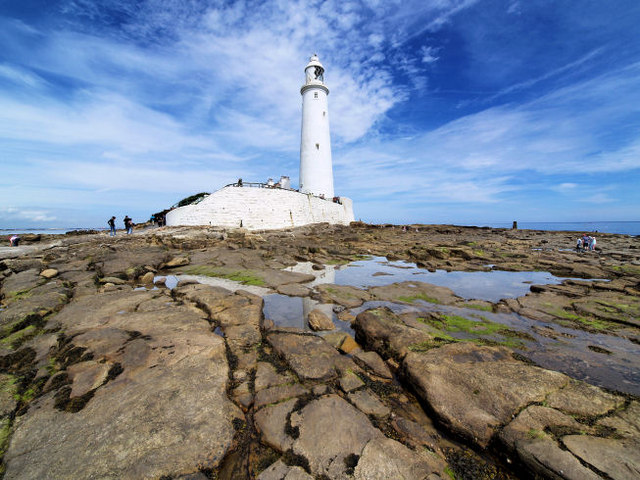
(112, 226)
(128, 224)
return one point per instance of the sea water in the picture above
(623, 228)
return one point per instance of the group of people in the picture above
(586, 242)
(128, 225)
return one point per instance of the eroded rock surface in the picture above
(101, 381)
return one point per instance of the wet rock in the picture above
(319, 321)
(271, 422)
(346, 316)
(147, 278)
(579, 398)
(383, 458)
(275, 278)
(335, 339)
(311, 357)
(474, 389)
(330, 429)
(177, 262)
(112, 280)
(348, 345)
(294, 290)
(410, 292)
(372, 362)
(49, 273)
(368, 403)
(347, 296)
(619, 459)
(383, 331)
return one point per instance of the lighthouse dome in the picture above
(314, 62)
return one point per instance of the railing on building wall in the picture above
(240, 183)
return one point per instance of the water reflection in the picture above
(294, 311)
(492, 286)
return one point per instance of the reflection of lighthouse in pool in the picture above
(327, 275)
(294, 311)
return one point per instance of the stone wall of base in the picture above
(261, 209)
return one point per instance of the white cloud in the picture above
(429, 54)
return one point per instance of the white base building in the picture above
(262, 209)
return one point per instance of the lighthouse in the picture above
(316, 170)
(277, 205)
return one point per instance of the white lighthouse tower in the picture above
(316, 170)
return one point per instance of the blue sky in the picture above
(442, 111)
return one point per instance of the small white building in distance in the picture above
(267, 206)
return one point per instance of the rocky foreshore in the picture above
(161, 355)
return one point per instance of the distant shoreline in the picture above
(613, 227)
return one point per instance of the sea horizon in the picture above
(616, 227)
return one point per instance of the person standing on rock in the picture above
(112, 226)
(128, 224)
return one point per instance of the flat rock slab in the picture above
(626, 422)
(311, 357)
(330, 430)
(20, 282)
(383, 458)
(294, 290)
(527, 436)
(277, 394)
(368, 403)
(620, 459)
(476, 389)
(266, 376)
(374, 363)
(282, 471)
(155, 418)
(271, 421)
(344, 295)
(41, 300)
(579, 398)
(410, 292)
(383, 331)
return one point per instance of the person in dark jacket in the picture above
(112, 226)
(128, 224)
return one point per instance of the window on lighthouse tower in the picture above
(315, 94)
